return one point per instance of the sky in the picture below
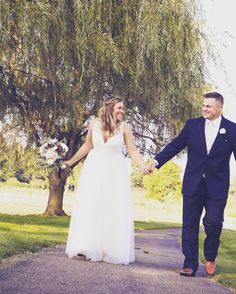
(219, 18)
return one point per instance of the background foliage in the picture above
(58, 58)
(164, 182)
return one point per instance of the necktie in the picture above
(210, 135)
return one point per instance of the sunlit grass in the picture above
(19, 234)
(151, 225)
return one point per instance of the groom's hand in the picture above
(152, 165)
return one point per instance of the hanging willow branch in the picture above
(67, 54)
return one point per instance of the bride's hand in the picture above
(66, 162)
(149, 168)
(146, 170)
(65, 168)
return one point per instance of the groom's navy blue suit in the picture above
(205, 184)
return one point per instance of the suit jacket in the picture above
(214, 166)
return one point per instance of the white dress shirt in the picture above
(211, 130)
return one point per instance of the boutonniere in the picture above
(222, 131)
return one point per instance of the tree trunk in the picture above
(56, 193)
(57, 181)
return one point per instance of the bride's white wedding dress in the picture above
(101, 226)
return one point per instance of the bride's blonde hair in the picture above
(106, 116)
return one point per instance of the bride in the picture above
(101, 226)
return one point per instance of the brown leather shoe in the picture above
(187, 272)
(210, 267)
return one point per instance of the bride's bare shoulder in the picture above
(92, 120)
(126, 126)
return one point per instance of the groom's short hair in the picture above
(215, 95)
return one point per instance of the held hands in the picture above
(148, 169)
(153, 164)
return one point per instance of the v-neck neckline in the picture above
(102, 137)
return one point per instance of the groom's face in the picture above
(211, 108)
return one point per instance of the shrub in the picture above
(164, 182)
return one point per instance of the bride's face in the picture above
(119, 111)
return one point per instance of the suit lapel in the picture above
(202, 134)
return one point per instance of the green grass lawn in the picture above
(30, 233)
(151, 225)
(226, 259)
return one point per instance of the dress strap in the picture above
(122, 125)
(92, 121)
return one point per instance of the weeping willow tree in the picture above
(58, 58)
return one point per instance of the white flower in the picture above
(50, 161)
(53, 141)
(43, 149)
(222, 131)
(54, 148)
(52, 151)
(64, 146)
(50, 154)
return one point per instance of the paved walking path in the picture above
(155, 271)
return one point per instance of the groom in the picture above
(210, 141)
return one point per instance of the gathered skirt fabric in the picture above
(101, 226)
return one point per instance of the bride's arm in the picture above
(83, 150)
(131, 148)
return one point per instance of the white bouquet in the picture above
(52, 152)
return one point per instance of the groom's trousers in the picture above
(213, 220)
